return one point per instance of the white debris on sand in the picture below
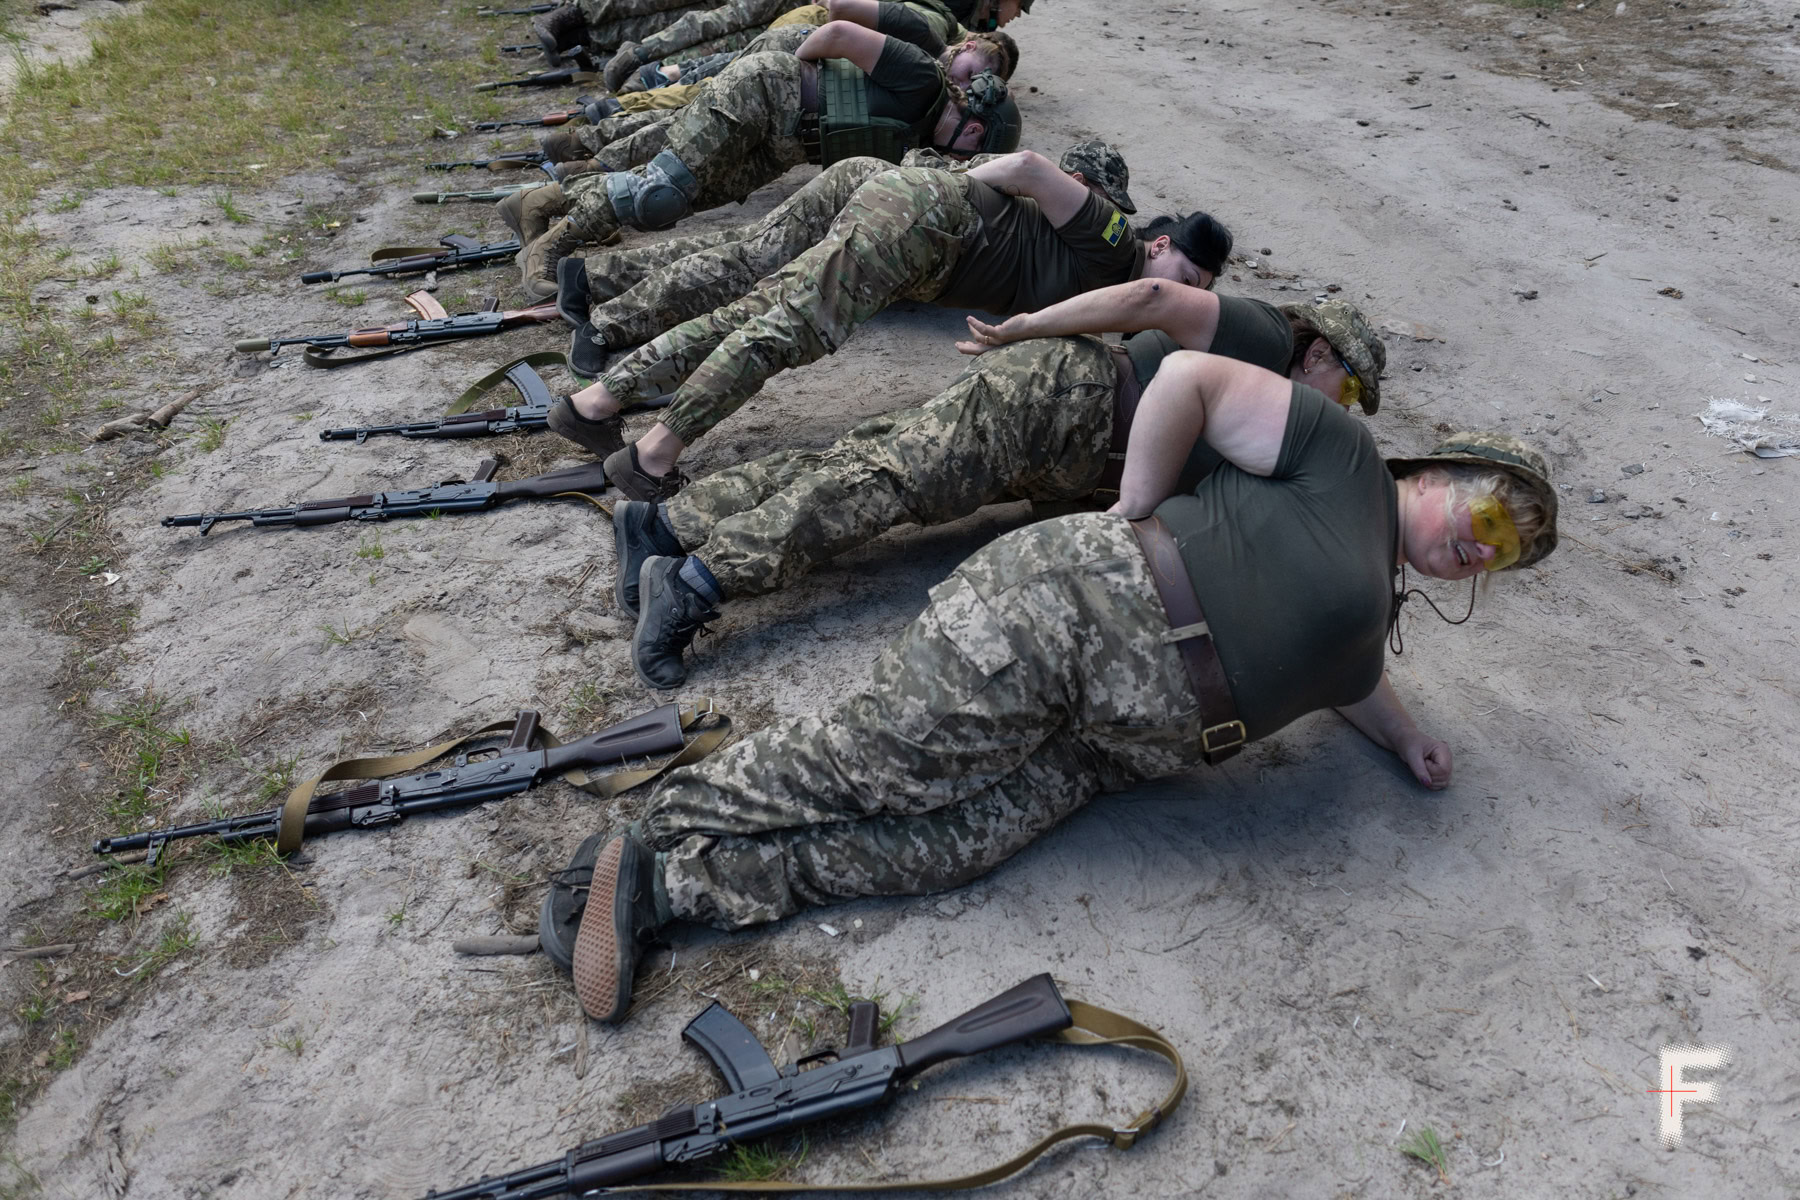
(1750, 427)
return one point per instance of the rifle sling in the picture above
(291, 827)
(1093, 1026)
(326, 358)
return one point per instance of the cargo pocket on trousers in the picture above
(956, 648)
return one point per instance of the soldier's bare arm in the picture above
(841, 39)
(1385, 721)
(862, 12)
(1241, 411)
(1028, 173)
(1190, 315)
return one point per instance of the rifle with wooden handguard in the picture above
(468, 780)
(530, 10)
(560, 77)
(452, 496)
(481, 195)
(516, 160)
(411, 333)
(458, 251)
(767, 1101)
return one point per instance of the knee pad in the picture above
(655, 199)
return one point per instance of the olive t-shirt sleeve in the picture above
(1253, 331)
(904, 82)
(1105, 248)
(897, 20)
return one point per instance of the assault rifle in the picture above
(487, 196)
(516, 160)
(560, 77)
(562, 117)
(532, 415)
(407, 333)
(459, 251)
(452, 496)
(767, 1101)
(469, 780)
(514, 12)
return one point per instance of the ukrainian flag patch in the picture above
(1115, 228)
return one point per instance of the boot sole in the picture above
(602, 967)
(552, 938)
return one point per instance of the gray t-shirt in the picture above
(1295, 572)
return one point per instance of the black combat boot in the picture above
(618, 919)
(561, 31)
(639, 532)
(671, 612)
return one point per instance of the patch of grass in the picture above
(370, 549)
(212, 435)
(276, 779)
(228, 205)
(18, 1183)
(69, 201)
(64, 1049)
(92, 566)
(20, 487)
(293, 1043)
(253, 854)
(120, 893)
(758, 1162)
(340, 637)
(169, 257)
(348, 297)
(176, 940)
(146, 746)
(107, 267)
(397, 917)
(35, 1009)
(1425, 1146)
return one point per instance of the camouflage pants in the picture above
(605, 35)
(734, 139)
(603, 133)
(899, 238)
(742, 18)
(1030, 421)
(1034, 681)
(692, 276)
(604, 12)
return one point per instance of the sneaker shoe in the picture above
(622, 471)
(638, 534)
(603, 438)
(587, 350)
(572, 299)
(618, 919)
(670, 615)
(560, 917)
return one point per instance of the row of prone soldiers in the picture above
(1248, 573)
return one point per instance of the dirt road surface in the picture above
(1582, 225)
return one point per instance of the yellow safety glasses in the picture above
(1350, 394)
(1493, 526)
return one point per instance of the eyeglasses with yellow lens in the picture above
(1493, 526)
(1350, 394)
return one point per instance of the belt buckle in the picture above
(1206, 735)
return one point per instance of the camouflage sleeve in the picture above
(605, 12)
(708, 25)
(937, 161)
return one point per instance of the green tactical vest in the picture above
(845, 127)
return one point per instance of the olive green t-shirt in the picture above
(1022, 262)
(905, 83)
(920, 26)
(1249, 330)
(1295, 571)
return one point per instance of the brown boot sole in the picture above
(602, 969)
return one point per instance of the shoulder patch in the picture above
(1115, 228)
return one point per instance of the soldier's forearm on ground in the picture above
(1381, 717)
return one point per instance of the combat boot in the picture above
(622, 65)
(572, 299)
(620, 913)
(587, 348)
(537, 261)
(639, 533)
(565, 171)
(671, 613)
(528, 214)
(560, 32)
(563, 144)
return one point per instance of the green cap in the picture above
(1103, 167)
(1349, 333)
(1502, 452)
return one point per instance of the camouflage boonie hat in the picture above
(1103, 167)
(1343, 325)
(1500, 452)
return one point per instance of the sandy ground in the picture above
(1336, 951)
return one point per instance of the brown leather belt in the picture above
(1223, 734)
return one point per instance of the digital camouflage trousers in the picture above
(604, 34)
(1034, 681)
(735, 138)
(740, 19)
(1030, 421)
(899, 238)
(657, 287)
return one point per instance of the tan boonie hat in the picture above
(1343, 325)
(1500, 452)
(1103, 167)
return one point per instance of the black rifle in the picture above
(560, 77)
(767, 1101)
(468, 781)
(408, 333)
(514, 12)
(452, 496)
(562, 117)
(527, 417)
(486, 195)
(516, 160)
(459, 251)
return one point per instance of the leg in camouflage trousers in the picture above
(741, 20)
(605, 36)
(733, 140)
(693, 276)
(1034, 681)
(899, 238)
(1031, 421)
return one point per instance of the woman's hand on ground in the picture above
(984, 337)
(1428, 757)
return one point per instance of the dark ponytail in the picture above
(1200, 236)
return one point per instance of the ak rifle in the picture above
(517, 160)
(405, 334)
(457, 251)
(560, 77)
(483, 196)
(452, 496)
(530, 10)
(561, 117)
(767, 1101)
(530, 415)
(467, 781)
